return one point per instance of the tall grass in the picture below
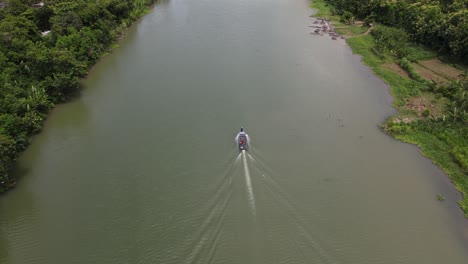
(443, 141)
(323, 9)
(446, 144)
(401, 87)
(141, 8)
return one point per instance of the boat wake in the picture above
(269, 192)
(248, 182)
(311, 247)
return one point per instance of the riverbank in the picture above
(430, 115)
(49, 49)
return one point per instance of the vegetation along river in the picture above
(142, 167)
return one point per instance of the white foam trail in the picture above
(238, 157)
(249, 183)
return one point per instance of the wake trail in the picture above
(248, 183)
(301, 225)
(207, 236)
(205, 240)
(284, 199)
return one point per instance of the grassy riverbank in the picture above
(430, 96)
(44, 51)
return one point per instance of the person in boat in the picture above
(242, 136)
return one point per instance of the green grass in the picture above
(418, 52)
(351, 30)
(442, 149)
(440, 197)
(322, 8)
(445, 146)
(445, 143)
(401, 87)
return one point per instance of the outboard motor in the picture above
(242, 140)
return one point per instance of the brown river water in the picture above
(143, 168)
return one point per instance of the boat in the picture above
(242, 140)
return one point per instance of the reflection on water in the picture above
(4, 247)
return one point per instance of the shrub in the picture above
(426, 113)
(391, 40)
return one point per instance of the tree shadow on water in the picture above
(4, 257)
(15, 207)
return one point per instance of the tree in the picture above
(16, 7)
(457, 92)
(42, 17)
(61, 23)
(389, 40)
(16, 27)
(370, 19)
(457, 33)
(7, 156)
(347, 17)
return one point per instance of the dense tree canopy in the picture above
(441, 25)
(39, 69)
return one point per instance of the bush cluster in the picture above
(441, 25)
(44, 51)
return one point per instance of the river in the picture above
(142, 167)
